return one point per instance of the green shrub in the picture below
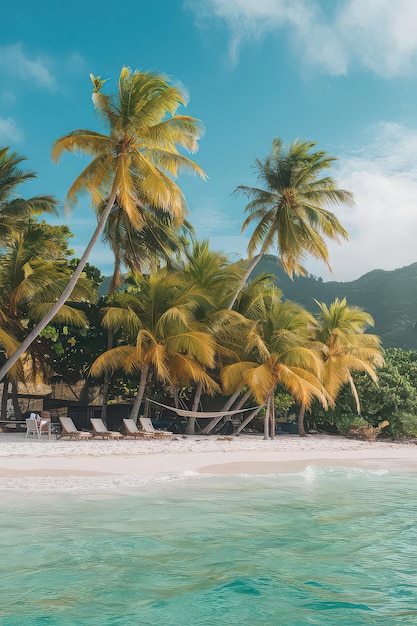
(344, 423)
(403, 425)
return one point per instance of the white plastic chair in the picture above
(32, 428)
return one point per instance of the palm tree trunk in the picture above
(65, 294)
(15, 401)
(273, 425)
(229, 402)
(248, 272)
(4, 398)
(247, 420)
(175, 396)
(301, 430)
(106, 382)
(190, 430)
(141, 390)
(266, 419)
(207, 429)
(355, 394)
(243, 399)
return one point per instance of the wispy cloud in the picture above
(209, 220)
(10, 133)
(379, 35)
(383, 224)
(15, 62)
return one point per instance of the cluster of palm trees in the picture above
(189, 317)
(174, 326)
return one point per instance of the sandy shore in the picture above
(59, 464)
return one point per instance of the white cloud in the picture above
(10, 133)
(383, 224)
(380, 35)
(209, 220)
(17, 63)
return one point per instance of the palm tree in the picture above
(212, 273)
(345, 346)
(33, 272)
(14, 210)
(157, 324)
(135, 161)
(252, 304)
(289, 209)
(279, 355)
(159, 239)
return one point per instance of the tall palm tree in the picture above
(15, 210)
(136, 160)
(33, 273)
(159, 239)
(345, 346)
(289, 208)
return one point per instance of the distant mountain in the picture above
(390, 297)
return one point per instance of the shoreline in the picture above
(58, 464)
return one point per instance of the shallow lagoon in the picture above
(327, 546)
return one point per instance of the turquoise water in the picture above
(328, 546)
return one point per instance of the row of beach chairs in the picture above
(68, 429)
(147, 430)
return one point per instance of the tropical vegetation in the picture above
(181, 322)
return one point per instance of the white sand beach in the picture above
(63, 464)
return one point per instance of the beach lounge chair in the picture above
(99, 430)
(69, 430)
(148, 427)
(132, 430)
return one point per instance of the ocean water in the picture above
(327, 546)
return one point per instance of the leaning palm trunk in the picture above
(243, 399)
(65, 294)
(141, 391)
(246, 421)
(190, 430)
(355, 394)
(245, 278)
(228, 404)
(207, 429)
(301, 429)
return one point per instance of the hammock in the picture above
(185, 413)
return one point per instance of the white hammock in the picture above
(186, 413)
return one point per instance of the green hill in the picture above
(390, 297)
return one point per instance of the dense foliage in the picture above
(187, 323)
(392, 398)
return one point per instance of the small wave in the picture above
(88, 483)
(314, 471)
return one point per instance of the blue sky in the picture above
(339, 72)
